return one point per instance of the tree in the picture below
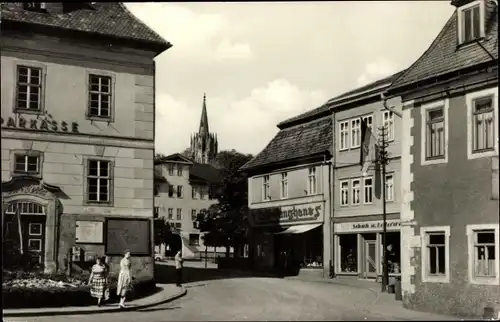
(159, 156)
(187, 153)
(162, 231)
(226, 223)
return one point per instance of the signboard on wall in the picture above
(310, 212)
(89, 232)
(133, 235)
(367, 226)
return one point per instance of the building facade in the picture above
(289, 198)
(450, 209)
(358, 205)
(184, 192)
(77, 134)
(204, 145)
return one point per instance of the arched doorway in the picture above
(24, 233)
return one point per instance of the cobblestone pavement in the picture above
(250, 299)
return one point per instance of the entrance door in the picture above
(34, 239)
(370, 258)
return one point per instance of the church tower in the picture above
(204, 146)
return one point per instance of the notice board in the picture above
(128, 234)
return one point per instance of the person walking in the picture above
(98, 280)
(178, 268)
(124, 279)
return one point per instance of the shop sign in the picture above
(288, 214)
(39, 125)
(377, 225)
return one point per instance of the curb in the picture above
(113, 309)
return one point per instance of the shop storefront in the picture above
(359, 251)
(289, 239)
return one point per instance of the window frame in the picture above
(179, 192)
(424, 109)
(312, 182)
(284, 185)
(266, 188)
(170, 169)
(178, 214)
(469, 99)
(110, 202)
(364, 190)
(341, 182)
(461, 24)
(392, 175)
(26, 153)
(358, 180)
(194, 192)
(179, 170)
(171, 187)
(352, 128)
(470, 231)
(112, 77)
(156, 212)
(390, 138)
(43, 85)
(194, 214)
(170, 213)
(424, 233)
(347, 135)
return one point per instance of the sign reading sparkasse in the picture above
(288, 214)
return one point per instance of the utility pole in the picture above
(383, 161)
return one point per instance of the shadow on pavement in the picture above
(165, 273)
(160, 309)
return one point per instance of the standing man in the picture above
(178, 268)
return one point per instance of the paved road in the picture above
(252, 298)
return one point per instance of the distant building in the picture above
(450, 211)
(289, 197)
(204, 145)
(358, 205)
(78, 107)
(184, 191)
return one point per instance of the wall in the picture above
(455, 194)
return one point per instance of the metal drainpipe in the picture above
(331, 188)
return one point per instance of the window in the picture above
(389, 187)
(344, 193)
(355, 183)
(194, 239)
(203, 193)
(434, 132)
(194, 192)
(179, 170)
(194, 214)
(99, 96)
(348, 253)
(26, 164)
(179, 192)
(355, 133)
(284, 184)
(98, 181)
(483, 133)
(265, 188)
(344, 135)
(471, 22)
(34, 5)
(157, 212)
(368, 190)
(368, 120)
(178, 225)
(170, 190)
(179, 214)
(311, 186)
(389, 125)
(484, 264)
(170, 213)
(170, 169)
(435, 254)
(29, 88)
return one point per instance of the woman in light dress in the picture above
(124, 279)
(98, 280)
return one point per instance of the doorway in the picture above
(369, 255)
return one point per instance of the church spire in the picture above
(204, 118)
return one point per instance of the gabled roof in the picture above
(101, 18)
(176, 157)
(444, 56)
(295, 142)
(309, 115)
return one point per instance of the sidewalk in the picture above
(167, 293)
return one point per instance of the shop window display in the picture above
(348, 245)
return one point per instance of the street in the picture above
(251, 298)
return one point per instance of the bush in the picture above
(23, 297)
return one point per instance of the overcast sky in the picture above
(260, 63)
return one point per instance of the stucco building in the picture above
(358, 205)
(450, 209)
(77, 104)
(184, 191)
(289, 197)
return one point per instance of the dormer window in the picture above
(34, 6)
(471, 22)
